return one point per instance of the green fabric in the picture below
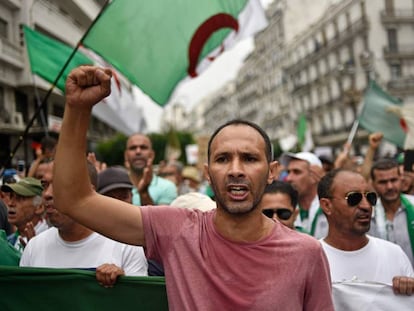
(410, 219)
(301, 130)
(315, 220)
(304, 214)
(47, 57)
(9, 256)
(302, 230)
(148, 41)
(68, 290)
(375, 118)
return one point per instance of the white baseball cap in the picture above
(310, 157)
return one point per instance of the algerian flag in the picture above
(376, 115)
(304, 134)
(47, 57)
(158, 43)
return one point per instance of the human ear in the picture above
(326, 205)
(273, 169)
(206, 174)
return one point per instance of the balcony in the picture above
(401, 86)
(399, 52)
(397, 16)
(11, 54)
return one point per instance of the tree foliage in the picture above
(112, 151)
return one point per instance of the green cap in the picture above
(26, 187)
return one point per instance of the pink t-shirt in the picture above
(204, 271)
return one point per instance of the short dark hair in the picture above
(246, 123)
(383, 165)
(325, 184)
(278, 186)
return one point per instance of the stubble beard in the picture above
(137, 170)
(237, 209)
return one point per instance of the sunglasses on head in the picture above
(282, 213)
(354, 198)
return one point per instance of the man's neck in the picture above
(305, 201)
(250, 227)
(346, 243)
(74, 233)
(135, 177)
(391, 207)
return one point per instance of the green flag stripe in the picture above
(47, 57)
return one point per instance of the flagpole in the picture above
(353, 132)
(49, 92)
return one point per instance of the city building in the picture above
(319, 66)
(21, 92)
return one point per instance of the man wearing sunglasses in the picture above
(394, 213)
(347, 201)
(279, 203)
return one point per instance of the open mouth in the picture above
(238, 192)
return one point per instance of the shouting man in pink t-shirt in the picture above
(229, 258)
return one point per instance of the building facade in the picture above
(322, 68)
(20, 91)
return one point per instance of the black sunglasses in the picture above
(354, 198)
(282, 213)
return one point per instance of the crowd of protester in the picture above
(350, 219)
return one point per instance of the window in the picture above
(3, 29)
(395, 71)
(392, 40)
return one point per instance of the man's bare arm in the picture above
(86, 86)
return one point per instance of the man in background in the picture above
(304, 172)
(393, 219)
(149, 189)
(347, 201)
(279, 203)
(25, 210)
(69, 244)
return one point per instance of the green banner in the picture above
(68, 290)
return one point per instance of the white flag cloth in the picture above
(369, 296)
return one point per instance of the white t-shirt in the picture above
(378, 261)
(49, 250)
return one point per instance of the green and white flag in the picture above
(304, 134)
(47, 57)
(377, 115)
(157, 43)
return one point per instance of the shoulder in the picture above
(385, 245)
(40, 240)
(167, 211)
(162, 182)
(302, 239)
